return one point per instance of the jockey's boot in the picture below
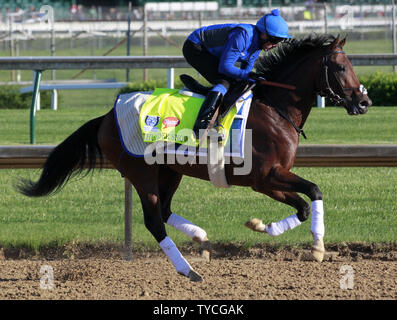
(194, 85)
(208, 108)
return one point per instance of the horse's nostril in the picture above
(364, 104)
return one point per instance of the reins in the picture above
(277, 84)
(281, 112)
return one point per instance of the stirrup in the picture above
(200, 125)
(213, 130)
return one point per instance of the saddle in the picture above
(237, 88)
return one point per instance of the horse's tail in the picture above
(79, 151)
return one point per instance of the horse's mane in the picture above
(287, 53)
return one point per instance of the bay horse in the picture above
(315, 64)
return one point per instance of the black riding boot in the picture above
(194, 85)
(207, 111)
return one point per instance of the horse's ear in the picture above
(342, 43)
(334, 44)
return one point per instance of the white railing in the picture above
(64, 29)
(134, 62)
(39, 64)
(143, 62)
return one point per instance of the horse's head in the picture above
(338, 81)
(325, 67)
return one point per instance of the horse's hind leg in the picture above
(145, 180)
(169, 181)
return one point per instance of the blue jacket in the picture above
(230, 43)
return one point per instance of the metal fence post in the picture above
(35, 93)
(145, 41)
(320, 102)
(128, 39)
(54, 99)
(49, 16)
(11, 36)
(170, 78)
(127, 220)
(394, 30)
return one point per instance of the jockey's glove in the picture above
(253, 77)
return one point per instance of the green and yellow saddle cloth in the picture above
(170, 114)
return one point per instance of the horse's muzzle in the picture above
(359, 107)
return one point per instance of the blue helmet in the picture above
(274, 25)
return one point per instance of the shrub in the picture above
(10, 98)
(382, 88)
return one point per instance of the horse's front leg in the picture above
(281, 179)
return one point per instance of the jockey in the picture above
(214, 50)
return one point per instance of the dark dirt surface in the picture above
(234, 273)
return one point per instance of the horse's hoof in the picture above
(318, 250)
(255, 225)
(206, 255)
(205, 248)
(194, 276)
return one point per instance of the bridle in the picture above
(327, 90)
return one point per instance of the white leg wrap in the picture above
(172, 252)
(277, 228)
(317, 224)
(186, 227)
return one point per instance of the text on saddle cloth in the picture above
(169, 115)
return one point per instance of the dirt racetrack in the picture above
(352, 271)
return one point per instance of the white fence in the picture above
(39, 64)
(162, 17)
(132, 62)
(142, 62)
